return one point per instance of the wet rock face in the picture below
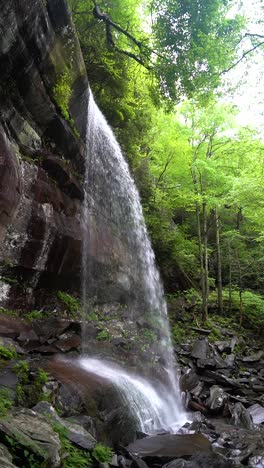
(42, 153)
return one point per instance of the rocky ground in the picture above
(49, 418)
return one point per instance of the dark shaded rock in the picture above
(85, 421)
(11, 327)
(10, 183)
(188, 381)
(253, 357)
(223, 345)
(217, 398)
(206, 363)
(59, 170)
(31, 431)
(240, 416)
(172, 445)
(212, 460)
(201, 349)
(230, 360)
(122, 342)
(46, 349)
(69, 401)
(194, 405)
(50, 328)
(66, 344)
(257, 413)
(8, 379)
(220, 378)
(75, 433)
(180, 463)
(258, 388)
(201, 331)
(28, 337)
(196, 391)
(137, 462)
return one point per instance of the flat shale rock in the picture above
(257, 413)
(171, 445)
(33, 432)
(253, 357)
(201, 349)
(75, 432)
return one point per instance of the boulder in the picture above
(75, 432)
(171, 445)
(253, 357)
(240, 416)
(223, 346)
(201, 349)
(32, 432)
(217, 398)
(188, 380)
(257, 413)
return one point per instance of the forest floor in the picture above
(44, 421)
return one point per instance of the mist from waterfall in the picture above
(109, 185)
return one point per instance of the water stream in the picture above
(109, 186)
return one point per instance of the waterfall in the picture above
(109, 185)
(154, 409)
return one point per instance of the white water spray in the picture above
(154, 409)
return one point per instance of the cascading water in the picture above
(108, 184)
(154, 409)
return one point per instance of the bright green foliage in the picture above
(6, 402)
(93, 316)
(102, 453)
(103, 335)
(34, 315)
(150, 335)
(42, 377)
(178, 334)
(73, 305)
(62, 93)
(7, 353)
(195, 41)
(22, 369)
(8, 312)
(194, 162)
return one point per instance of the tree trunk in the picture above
(201, 258)
(240, 291)
(205, 266)
(219, 264)
(229, 278)
(240, 308)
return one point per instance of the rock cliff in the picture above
(43, 113)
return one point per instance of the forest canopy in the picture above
(157, 69)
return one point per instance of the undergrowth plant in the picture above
(74, 457)
(6, 403)
(102, 454)
(72, 304)
(7, 353)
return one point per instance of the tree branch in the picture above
(107, 20)
(241, 58)
(109, 24)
